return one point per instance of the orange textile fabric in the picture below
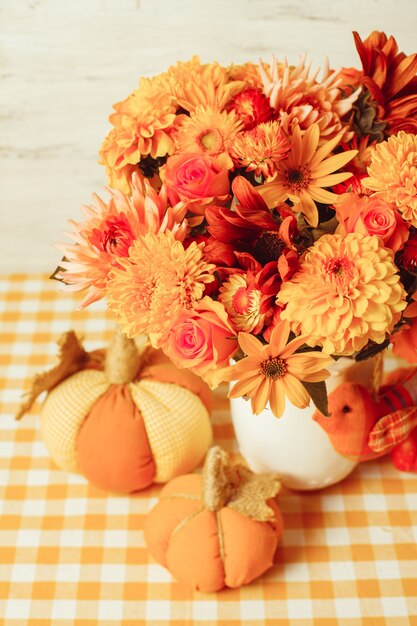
(71, 555)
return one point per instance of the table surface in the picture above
(73, 555)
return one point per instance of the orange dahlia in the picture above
(208, 131)
(347, 292)
(300, 99)
(303, 176)
(108, 231)
(194, 84)
(158, 280)
(390, 77)
(141, 132)
(271, 372)
(393, 173)
(248, 73)
(260, 149)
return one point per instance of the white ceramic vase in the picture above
(294, 445)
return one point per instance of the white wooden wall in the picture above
(64, 62)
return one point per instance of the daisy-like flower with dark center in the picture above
(272, 372)
(304, 176)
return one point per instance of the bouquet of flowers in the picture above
(266, 213)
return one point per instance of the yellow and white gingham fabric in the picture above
(71, 555)
(64, 411)
(179, 433)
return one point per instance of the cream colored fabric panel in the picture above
(177, 424)
(64, 411)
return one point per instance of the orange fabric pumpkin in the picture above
(217, 530)
(125, 419)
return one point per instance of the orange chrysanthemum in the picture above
(300, 99)
(194, 84)
(260, 150)
(391, 78)
(158, 280)
(303, 176)
(208, 131)
(393, 173)
(271, 372)
(108, 231)
(347, 292)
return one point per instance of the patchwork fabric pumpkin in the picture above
(125, 418)
(220, 529)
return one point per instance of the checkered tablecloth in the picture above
(72, 555)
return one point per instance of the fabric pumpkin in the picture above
(217, 530)
(364, 426)
(126, 419)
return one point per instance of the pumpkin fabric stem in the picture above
(123, 359)
(235, 486)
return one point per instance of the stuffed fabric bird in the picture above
(362, 428)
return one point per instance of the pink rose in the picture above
(195, 177)
(202, 338)
(371, 215)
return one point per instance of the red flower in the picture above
(250, 227)
(252, 107)
(407, 258)
(390, 77)
(249, 297)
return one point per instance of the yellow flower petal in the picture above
(277, 398)
(249, 344)
(260, 400)
(296, 392)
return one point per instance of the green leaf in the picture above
(318, 393)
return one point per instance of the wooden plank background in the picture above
(64, 62)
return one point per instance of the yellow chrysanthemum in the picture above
(308, 169)
(393, 173)
(208, 131)
(155, 283)
(194, 84)
(347, 292)
(260, 150)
